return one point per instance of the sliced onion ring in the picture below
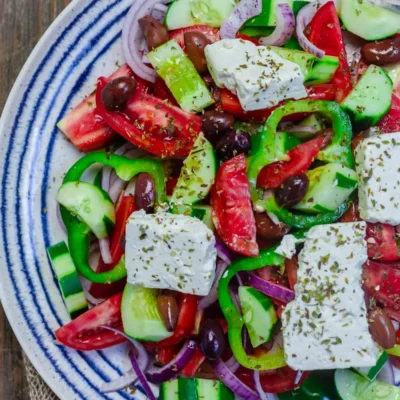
(304, 17)
(141, 377)
(233, 382)
(386, 374)
(284, 28)
(243, 11)
(278, 292)
(173, 368)
(104, 245)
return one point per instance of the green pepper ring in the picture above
(79, 232)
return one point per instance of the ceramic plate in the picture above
(82, 44)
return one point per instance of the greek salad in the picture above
(236, 217)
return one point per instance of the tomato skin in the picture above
(211, 33)
(151, 124)
(386, 278)
(300, 160)
(352, 214)
(273, 381)
(231, 207)
(125, 207)
(325, 32)
(248, 38)
(86, 332)
(291, 267)
(390, 123)
(382, 244)
(230, 104)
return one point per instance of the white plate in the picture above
(82, 44)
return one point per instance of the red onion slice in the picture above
(133, 38)
(233, 382)
(116, 188)
(105, 252)
(270, 289)
(257, 382)
(141, 377)
(128, 379)
(386, 374)
(304, 17)
(243, 11)
(212, 297)
(224, 253)
(173, 368)
(284, 28)
(232, 364)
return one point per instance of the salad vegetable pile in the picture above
(236, 217)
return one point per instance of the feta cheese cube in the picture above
(259, 77)
(326, 326)
(287, 247)
(378, 170)
(167, 251)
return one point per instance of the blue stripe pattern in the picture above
(20, 195)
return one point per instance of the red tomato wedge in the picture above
(291, 267)
(391, 121)
(382, 242)
(125, 207)
(230, 104)
(248, 38)
(300, 159)
(231, 207)
(325, 32)
(162, 92)
(152, 125)
(352, 214)
(273, 381)
(382, 282)
(82, 126)
(211, 33)
(86, 332)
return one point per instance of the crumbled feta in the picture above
(326, 326)
(259, 77)
(378, 169)
(287, 247)
(167, 251)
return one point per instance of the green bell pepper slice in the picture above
(235, 319)
(264, 153)
(305, 221)
(79, 232)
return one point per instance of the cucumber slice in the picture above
(197, 175)
(140, 315)
(203, 213)
(258, 313)
(313, 120)
(194, 389)
(372, 372)
(181, 77)
(368, 20)
(330, 185)
(315, 70)
(370, 100)
(90, 204)
(351, 386)
(68, 279)
(183, 13)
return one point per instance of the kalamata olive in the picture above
(217, 123)
(169, 310)
(155, 32)
(144, 192)
(195, 43)
(268, 230)
(292, 190)
(381, 328)
(382, 52)
(117, 93)
(212, 340)
(327, 134)
(232, 144)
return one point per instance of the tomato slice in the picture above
(274, 381)
(152, 124)
(230, 104)
(211, 33)
(325, 32)
(390, 123)
(300, 159)
(382, 242)
(291, 267)
(125, 207)
(352, 214)
(248, 38)
(86, 332)
(231, 207)
(382, 282)
(162, 92)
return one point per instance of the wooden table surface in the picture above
(22, 23)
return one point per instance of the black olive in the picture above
(117, 93)
(232, 144)
(292, 191)
(212, 340)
